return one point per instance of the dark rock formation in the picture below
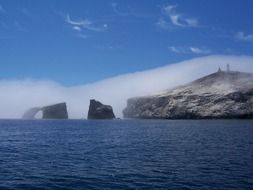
(57, 111)
(216, 96)
(98, 110)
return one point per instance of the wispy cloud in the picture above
(130, 12)
(11, 23)
(115, 9)
(197, 50)
(175, 18)
(244, 37)
(26, 12)
(163, 24)
(189, 50)
(84, 24)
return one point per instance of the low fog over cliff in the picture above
(19, 95)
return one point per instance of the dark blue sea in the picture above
(126, 154)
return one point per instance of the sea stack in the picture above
(56, 111)
(97, 110)
(221, 95)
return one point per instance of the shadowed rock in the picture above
(56, 111)
(219, 95)
(98, 110)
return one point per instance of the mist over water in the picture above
(17, 96)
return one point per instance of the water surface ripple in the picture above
(126, 154)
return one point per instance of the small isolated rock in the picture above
(97, 110)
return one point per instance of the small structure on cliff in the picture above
(220, 95)
(228, 68)
(97, 110)
(56, 111)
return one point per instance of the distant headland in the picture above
(221, 95)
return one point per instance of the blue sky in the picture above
(77, 42)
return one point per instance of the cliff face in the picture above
(216, 96)
(98, 110)
(57, 111)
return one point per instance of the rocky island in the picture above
(221, 95)
(97, 110)
(56, 111)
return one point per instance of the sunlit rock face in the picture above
(219, 95)
(97, 110)
(56, 111)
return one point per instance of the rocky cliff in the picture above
(97, 110)
(216, 96)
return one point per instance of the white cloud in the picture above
(244, 37)
(18, 96)
(76, 28)
(87, 24)
(189, 50)
(176, 18)
(199, 50)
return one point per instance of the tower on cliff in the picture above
(228, 68)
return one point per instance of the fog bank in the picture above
(18, 96)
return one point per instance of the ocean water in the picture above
(126, 154)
